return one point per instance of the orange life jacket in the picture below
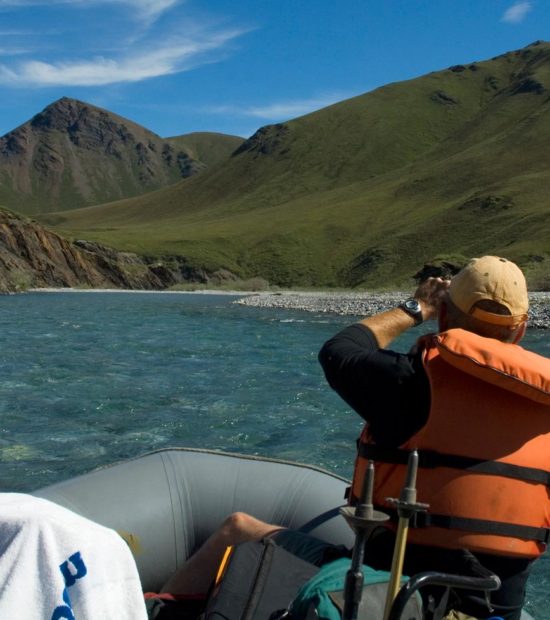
(484, 453)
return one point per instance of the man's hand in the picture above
(430, 294)
(387, 325)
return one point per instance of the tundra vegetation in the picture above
(360, 195)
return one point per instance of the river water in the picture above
(91, 378)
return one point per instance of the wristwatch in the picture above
(412, 307)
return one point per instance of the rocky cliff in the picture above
(33, 257)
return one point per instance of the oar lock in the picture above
(362, 517)
(406, 505)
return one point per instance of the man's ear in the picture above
(520, 332)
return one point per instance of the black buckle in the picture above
(420, 519)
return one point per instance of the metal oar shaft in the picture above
(353, 588)
(361, 519)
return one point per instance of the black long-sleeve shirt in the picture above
(389, 390)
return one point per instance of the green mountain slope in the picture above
(207, 147)
(365, 191)
(74, 154)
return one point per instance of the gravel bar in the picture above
(366, 304)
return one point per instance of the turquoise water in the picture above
(91, 378)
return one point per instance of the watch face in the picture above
(412, 305)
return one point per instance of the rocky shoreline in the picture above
(366, 304)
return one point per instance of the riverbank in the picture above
(366, 304)
(233, 293)
(342, 303)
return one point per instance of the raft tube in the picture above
(166, 503)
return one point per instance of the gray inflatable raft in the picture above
(166, 503)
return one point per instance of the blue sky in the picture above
(176, 66)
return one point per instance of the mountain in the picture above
(449, 165)
(73, 154)
(206, 147)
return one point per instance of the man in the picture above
(476, 406)
(421, 400)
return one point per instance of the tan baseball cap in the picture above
(496, 279)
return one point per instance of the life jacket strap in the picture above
(431, 459)
(481, 526)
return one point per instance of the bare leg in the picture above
(196, 575)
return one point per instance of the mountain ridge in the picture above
(365, 191)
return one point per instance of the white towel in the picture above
(57, 565)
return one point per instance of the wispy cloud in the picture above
(517, 12)
(14, 33)
(13, 51)
(174, 57)
(152, 8)
(132, 45)
(280, 110)
(146, 9)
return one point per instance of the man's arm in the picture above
(387, 389)
(387, 326)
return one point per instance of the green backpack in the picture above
(323, 595)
